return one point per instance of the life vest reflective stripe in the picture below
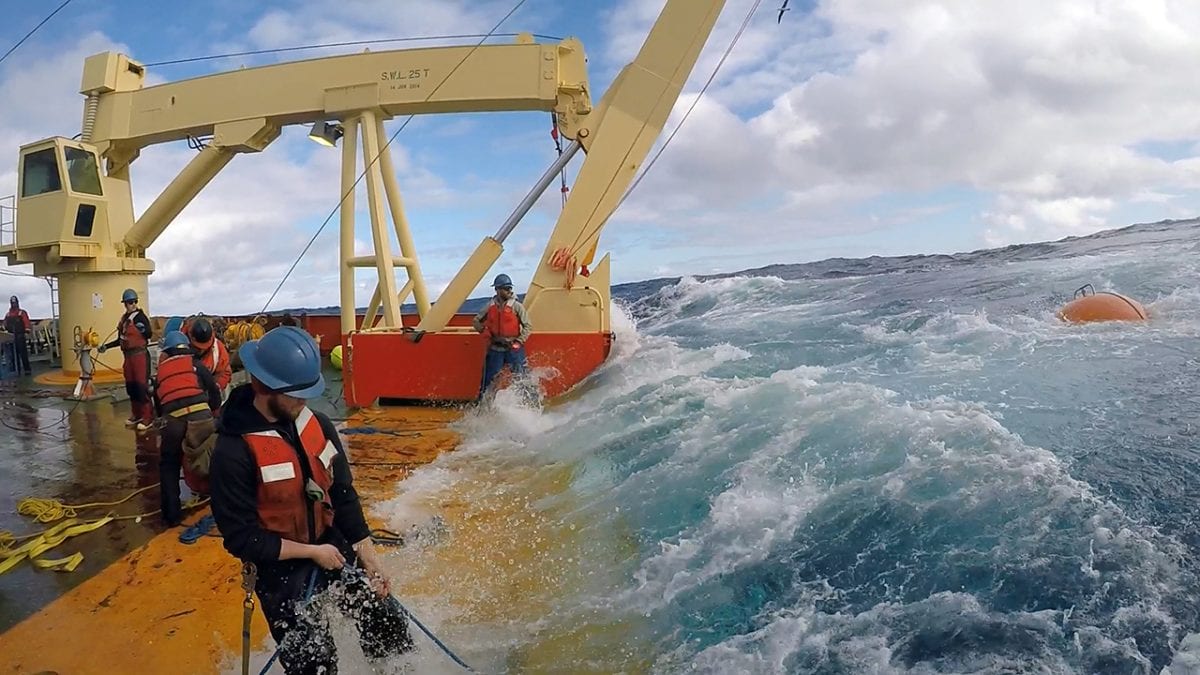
(502, 321)
(127, 330)
(212, 357)
(178, 385)
(216, 360)
(283, 506)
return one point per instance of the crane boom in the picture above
(523, 76)
(75, 217)
(617, 137)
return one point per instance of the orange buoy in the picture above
(1102, 306)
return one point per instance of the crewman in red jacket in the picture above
(133, 334)
(16, 322)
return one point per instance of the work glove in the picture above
(102, 348)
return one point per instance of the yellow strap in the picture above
(49, 510)
(195, 407)
(67, 564)
(47, 540)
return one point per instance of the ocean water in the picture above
(902, 465)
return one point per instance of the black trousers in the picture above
(302, 632)
(170, 463)
(21, 354)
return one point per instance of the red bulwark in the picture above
(327, 328)
(449, 366)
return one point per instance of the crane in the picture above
(75, 216)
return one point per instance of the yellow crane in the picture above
(75, 216)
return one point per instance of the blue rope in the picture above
(312, 582)
(426, 631)
(202, 527)
(350, 431)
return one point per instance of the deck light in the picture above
(326, 134)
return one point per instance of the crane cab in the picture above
(61, 203)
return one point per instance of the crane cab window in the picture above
(39, 173)
(84, 171)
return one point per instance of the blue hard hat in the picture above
(287, 361)
(174, 340)
(501, 280)
(173, 323)
(128, 295)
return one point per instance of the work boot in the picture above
(172, 510)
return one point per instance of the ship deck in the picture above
(142, 601)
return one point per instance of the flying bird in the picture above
(782, 9)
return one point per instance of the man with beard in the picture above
(284, 500)
(506, 324)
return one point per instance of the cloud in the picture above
(229, 249)
(1032, 120)
(1044, 108)
(41, 85)
(311, 22)
(1044, 218)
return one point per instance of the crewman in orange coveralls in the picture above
(133, 334)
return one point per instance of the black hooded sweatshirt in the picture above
(233, 478)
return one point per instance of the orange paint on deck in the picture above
(165, 607)
(386, 444)
(65, 378)
(168, 607)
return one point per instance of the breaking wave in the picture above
(905, 466)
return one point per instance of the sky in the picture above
(848, 128)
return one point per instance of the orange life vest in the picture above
(283, 506)
(178, 384)
(502, 322)
(216, 360)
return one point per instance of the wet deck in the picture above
(141, 600)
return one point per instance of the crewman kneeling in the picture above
(186, 396)
(284, 500)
